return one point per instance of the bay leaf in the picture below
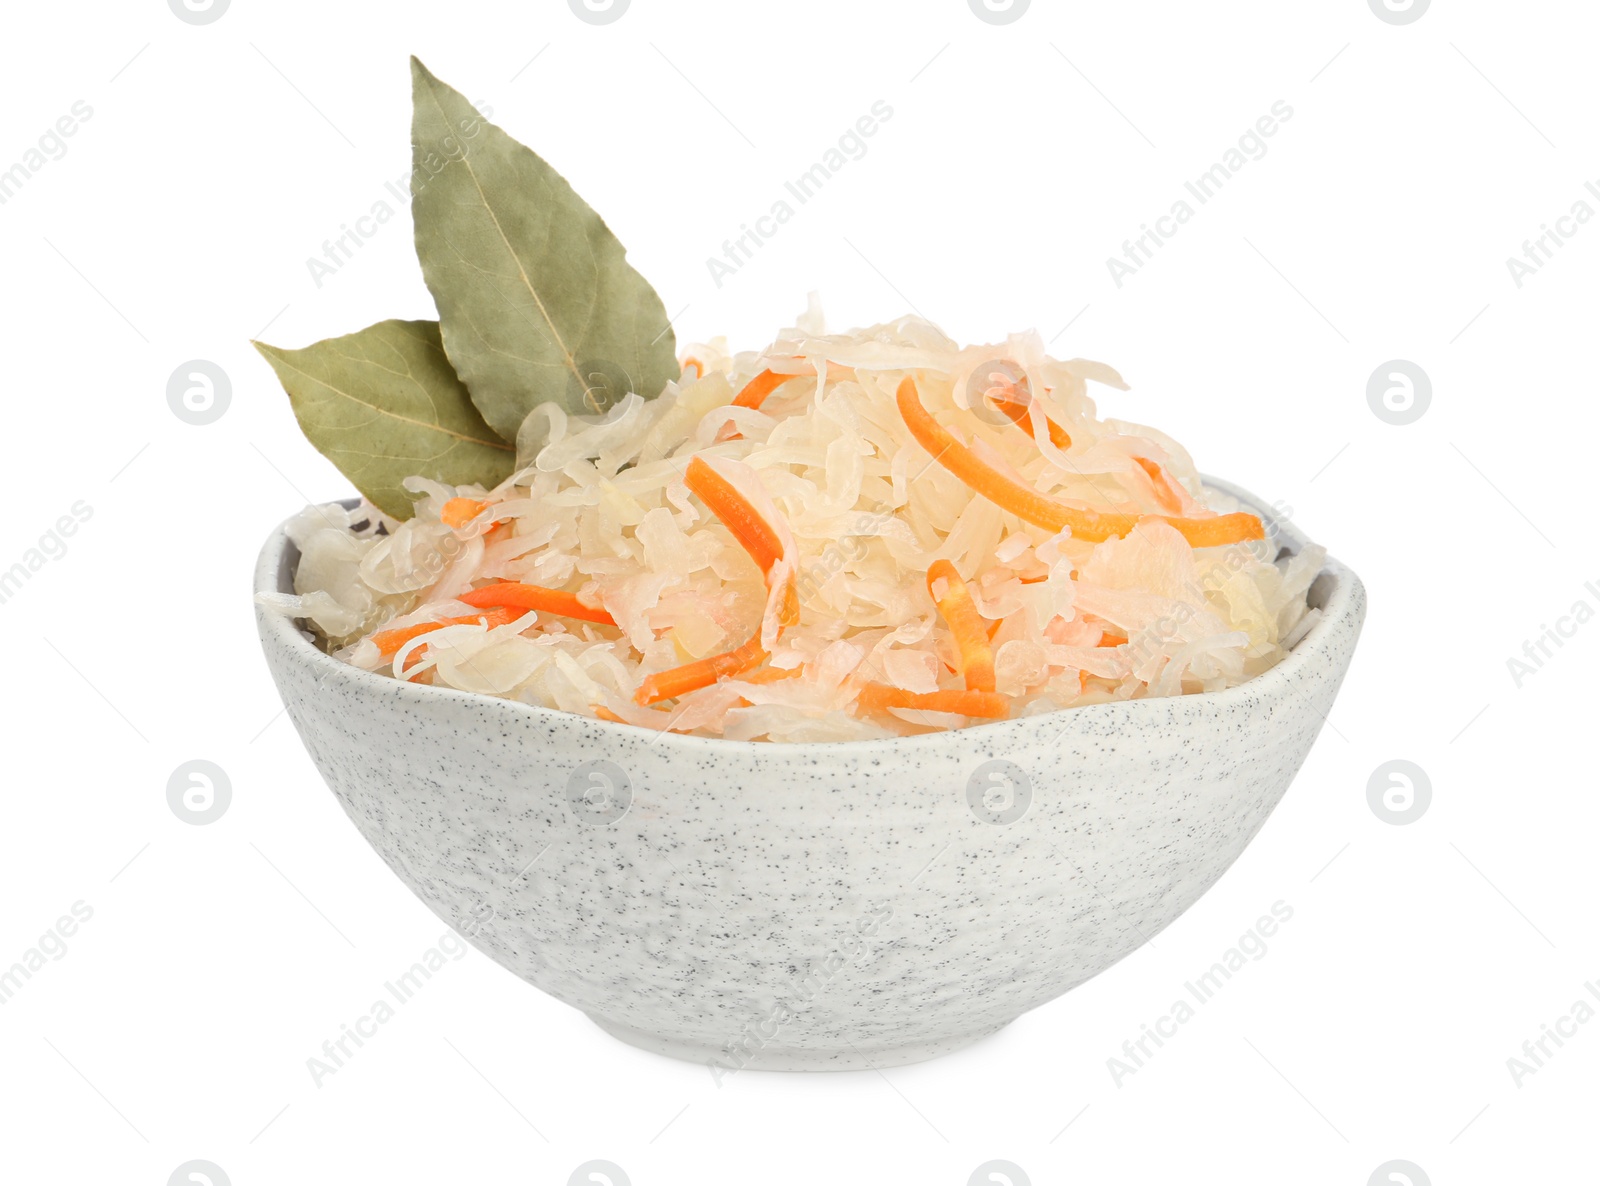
(536, 298)
(384, 404)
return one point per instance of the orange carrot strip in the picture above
(789, 613)
(414, 659)
(699, 370)
(702, 673)
(1014, 405)
(1059, 436)
(1031, 506)
(878, 697)
(605, 714)
(960, 613)
(1017, 409)
(766, 675)
(1165, 492)
(753, 532)
(1008, 494)
(390, 641)
(458, 512)
(522, 597)
(756, 391)
(770, 675)
(1214, 531)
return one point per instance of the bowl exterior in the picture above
(837, 905)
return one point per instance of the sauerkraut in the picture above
(838, 537)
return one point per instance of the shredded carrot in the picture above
(699, 369)
(755, 534)
(605, 714)
(960, 612)
(702, 673)
(1108, 639)
(1219, 530)
(458, 512)
(522, 597)
(878, 697)
(757, 538)
(1166, 494)
(1014, 404)
(755, 392)
(964, 463)
(1059, 436)
(414, 659)
(770, 675)
(390, 641)
(1042, 511)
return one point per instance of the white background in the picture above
(1019, 157)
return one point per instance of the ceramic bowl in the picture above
(807, 907)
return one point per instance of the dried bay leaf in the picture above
(535, 294)
(384, 404)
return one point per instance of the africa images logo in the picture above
(999, 792)
(599, 792)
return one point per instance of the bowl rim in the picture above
(1344, 600)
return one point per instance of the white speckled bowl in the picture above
(800, 907)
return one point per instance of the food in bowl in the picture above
(838, 537)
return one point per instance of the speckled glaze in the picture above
(808, 907)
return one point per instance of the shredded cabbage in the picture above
(599, 507)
